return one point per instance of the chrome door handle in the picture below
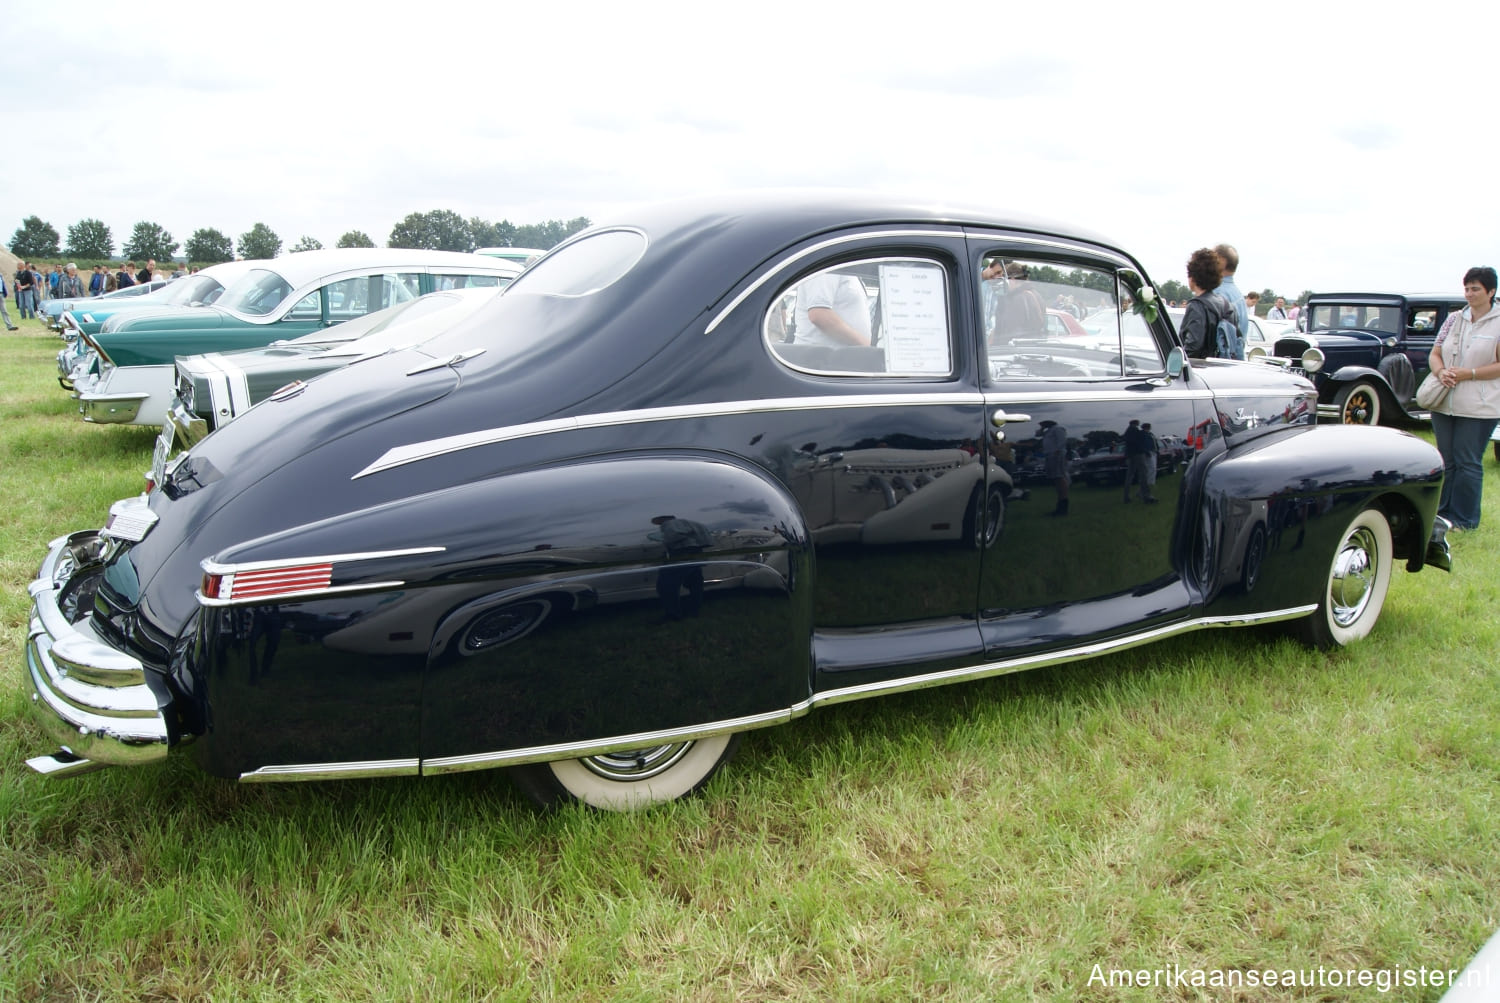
(1000, 418)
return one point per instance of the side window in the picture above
(1423, 319)
(1053, 319)
(308, 307)
(880, 315)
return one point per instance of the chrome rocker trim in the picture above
(89, 698)
(573, 750)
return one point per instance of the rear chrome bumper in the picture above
(91, 699)
(111, 409)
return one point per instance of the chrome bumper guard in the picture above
(91, 699)
(119, 409)
(187, 427)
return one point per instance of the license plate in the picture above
(162, 453)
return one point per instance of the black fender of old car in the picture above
(520, 607)
(1272, 510)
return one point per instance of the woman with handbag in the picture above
(1466, 358)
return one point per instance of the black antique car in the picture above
(646, 500)
(1366, 352)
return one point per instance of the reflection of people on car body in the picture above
(1055, 462)
(680, 537)
(1140, 460)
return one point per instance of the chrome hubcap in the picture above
(636, 764)
(1353, 578)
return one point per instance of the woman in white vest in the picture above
(1466, 357)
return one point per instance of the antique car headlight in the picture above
(1312, 360)
(1258, 352)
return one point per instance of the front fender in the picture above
(1273, 509)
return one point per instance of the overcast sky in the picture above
(1335, 145)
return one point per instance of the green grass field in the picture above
(1224, 801)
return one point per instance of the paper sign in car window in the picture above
(914, 312)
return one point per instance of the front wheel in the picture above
(1358, 579)
(1359, 403)
(628, 780)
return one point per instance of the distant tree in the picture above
(1302, 300)
(355, 238)
(438, 230)
(260, 241)
(34, 239)
(545, 235)
(90, 238)
(306, 244)
(149, 240)
(1174, 291)
(485, 234)
(208, 247)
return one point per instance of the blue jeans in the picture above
(27, 303)
(1462, 442)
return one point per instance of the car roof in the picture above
(1384, 297)
(301, 267)
(799, 213)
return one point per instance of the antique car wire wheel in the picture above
(1358, 578)
(631, 779)
(1359, 403)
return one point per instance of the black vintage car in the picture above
(1366, 352)
(647, 500)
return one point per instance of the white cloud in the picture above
(1336, 147)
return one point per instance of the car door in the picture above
(1085, 554)
(884, 451)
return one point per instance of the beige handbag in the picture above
(1432, 395)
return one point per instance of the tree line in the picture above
(439, 230)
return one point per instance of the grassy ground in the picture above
(1227, 800)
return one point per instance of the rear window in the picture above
(585, 266)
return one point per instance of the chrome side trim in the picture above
(573, 750)
(1178, 392)
(1009, 665)
(333, 771)
(213, 567)
(796, 256)
(398, 456)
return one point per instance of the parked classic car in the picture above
(1366, 352)
(51, 311)
(520, 255)
(200, 289)
(434, 560)
(213, 389)
(128, 376)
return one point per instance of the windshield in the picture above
(193, 289)
(1363, 316)
(256, 294)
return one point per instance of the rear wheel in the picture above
(628, 780)
(1359, 403)
(1358, 578)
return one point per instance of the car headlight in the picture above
(1312, 360)
(1258, 352)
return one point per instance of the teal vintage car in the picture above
(88, 316)
(127, 376)
(214, 389)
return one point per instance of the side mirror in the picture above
(1177, 363)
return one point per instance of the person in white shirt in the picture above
(832, 310)
(1277, 312)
